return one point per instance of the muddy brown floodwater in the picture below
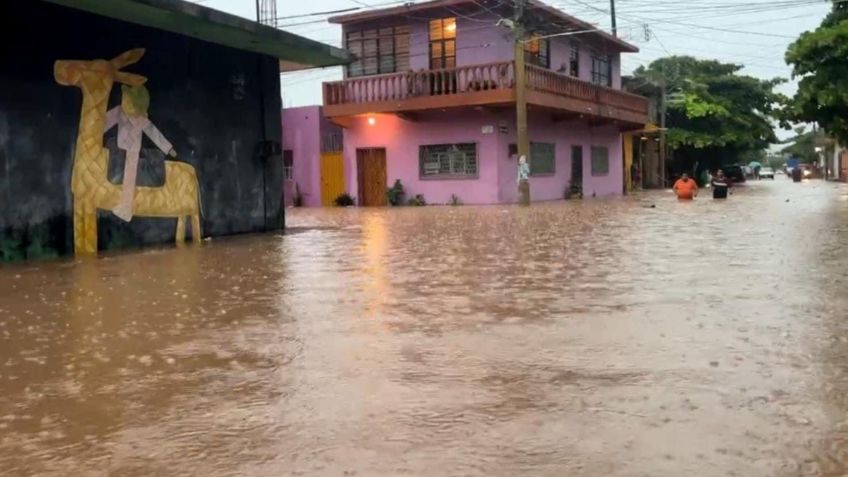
(601, 338)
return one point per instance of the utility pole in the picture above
(612, 14)
(266, 12)
(663, 113)
(521, 94)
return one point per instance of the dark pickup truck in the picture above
(735, 173)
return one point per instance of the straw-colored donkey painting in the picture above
(178, 198)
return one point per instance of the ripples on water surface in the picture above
(595, 338)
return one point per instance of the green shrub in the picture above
(417, 201)
(395, 193)
(344, 200)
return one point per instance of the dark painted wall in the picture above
(215, 104)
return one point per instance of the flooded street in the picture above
(602, 338)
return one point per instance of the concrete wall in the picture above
(216, 105)
(496, 182)
(479, 42)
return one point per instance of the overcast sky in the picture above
(753, 33)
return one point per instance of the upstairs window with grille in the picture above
(574, 61)
(448, 161)
(443, 43)
(377, 51)
(536, 52)
(602, 70)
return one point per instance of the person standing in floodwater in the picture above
(685, 188)
(721, 185)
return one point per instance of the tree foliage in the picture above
(820, 59)
(802, 147)
(715, 114)
(711, 105)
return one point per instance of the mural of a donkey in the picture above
(178, 198)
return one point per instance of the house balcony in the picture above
(487, 85)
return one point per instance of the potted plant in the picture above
(395, 194)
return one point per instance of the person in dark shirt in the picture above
(720, 184)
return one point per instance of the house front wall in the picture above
(564, 135)
(479, 40)
(561, 56)
(302, 136)
(497, 171)
(402, 139)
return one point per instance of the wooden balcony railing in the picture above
(547, 81)
(417, 86)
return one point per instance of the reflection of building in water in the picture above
(374, 236)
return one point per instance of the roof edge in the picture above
(408, 8)
(208, 24)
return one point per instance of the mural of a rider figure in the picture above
(133, 123)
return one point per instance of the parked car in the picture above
(767, 173)
(735, 173)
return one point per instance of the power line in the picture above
(316, 14)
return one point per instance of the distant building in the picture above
(313, 168)
(430, 100)
(193, 92)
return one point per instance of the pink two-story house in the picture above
(430, 100)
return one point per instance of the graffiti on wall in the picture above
(178, 198)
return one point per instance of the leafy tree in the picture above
(802, 146)
(715, 115)
(820, 59)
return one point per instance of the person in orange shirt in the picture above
(685, 188)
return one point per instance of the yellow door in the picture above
(332, 177)
(628, 162)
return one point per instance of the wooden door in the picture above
(843, 165)
(332, 177)
(372, 177)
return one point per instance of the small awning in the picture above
(196, 21)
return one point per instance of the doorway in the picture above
(332, 177)
(371, 176)
(577, 166)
